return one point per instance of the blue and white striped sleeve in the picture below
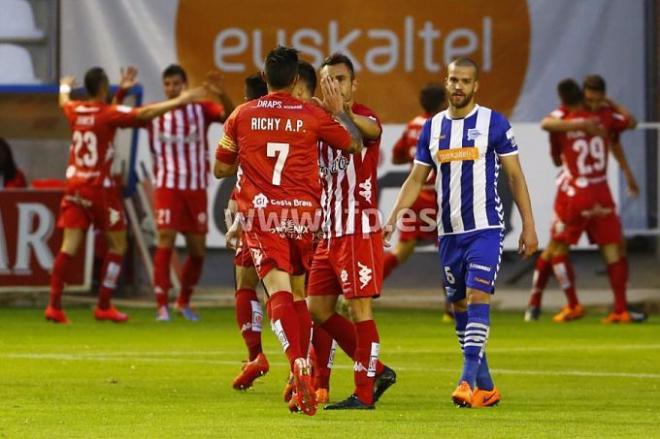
(504, 141)
(423, 153)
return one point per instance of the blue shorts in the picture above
(470, 260)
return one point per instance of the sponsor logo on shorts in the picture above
(482, 280)
(260, 201)
(289, 229)
(201, 218)
(480, 267)
(257, 256)
(365, 275)
(343, 276)
(450, 292)
(114, 216)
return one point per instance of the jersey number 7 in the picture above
(281, 151)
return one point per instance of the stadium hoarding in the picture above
(30, 240)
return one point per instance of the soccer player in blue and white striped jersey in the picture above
(466, 145)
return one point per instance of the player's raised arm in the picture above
(528, 242)
(128, 79)
(369, 127)
(618, 108)
(66, 85)
(215, 84)
(333, 102)
(553, 125)
(226, 154)
(153, 110)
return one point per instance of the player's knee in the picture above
(166, 238)
(476, 296)
(321, 308)
(117, 243)
(361, 309)
(460, 305)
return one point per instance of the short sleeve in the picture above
(331, 132)
(213, 111)
(423, 153)
(123, 116)
(619, 123)
(503, 139)
(227, 149)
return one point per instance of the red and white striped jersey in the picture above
(349, 196)
(179, 147)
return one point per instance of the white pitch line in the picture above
(124, 358)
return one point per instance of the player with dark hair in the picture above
(465, 145)
(179, 151)
(255, 87)
(273, 140)
(91, 197)
(10, 176)
(349, 259)
(582, 131)
(421, 225)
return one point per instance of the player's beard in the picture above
(463, 102)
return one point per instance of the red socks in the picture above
(390, 263)
(192, 271)
(111, 270)
(344, 333)
(58, 277)
(249, 317)
(366, 358)
(566, 277)
(542, 271)
(162, 260)
(618, 273)
(305, 324)
(285, 324)
(324, 347)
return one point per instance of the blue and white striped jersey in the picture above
(465, 153)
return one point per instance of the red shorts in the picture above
(242, 258)
(591, 210)
(97, 206)
(271, 250)
(421, 225)
(182, 210)
(351, 265)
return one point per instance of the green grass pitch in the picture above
(151, 380)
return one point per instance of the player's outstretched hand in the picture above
(69, 80)
(128, 77)
(631, 184)
(194, 94)
(388, 230)
(215, 82)
(332, 101)
(528, 243)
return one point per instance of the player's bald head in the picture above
(464, 62)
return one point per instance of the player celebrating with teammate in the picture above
(349, 259)
(91, 197)
(465, 145)
(274, 141)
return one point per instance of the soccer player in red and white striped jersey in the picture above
(349, 259)
(179, 148)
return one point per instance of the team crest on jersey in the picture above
(260, 201)
(364, 274)
(339, 164)
(366, 189)
(473, 134)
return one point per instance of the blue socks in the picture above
(472, 329)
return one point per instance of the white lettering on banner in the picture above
(386, 48)
(37, 239)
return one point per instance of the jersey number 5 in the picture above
(281, 151)
(90, 158)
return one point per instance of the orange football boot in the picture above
(462, 396)
(304, 395)
(112, 314)
(322, 396)
(618, 317)
(486, 398)
(250, 372)
(56, 315)
(567, 313)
